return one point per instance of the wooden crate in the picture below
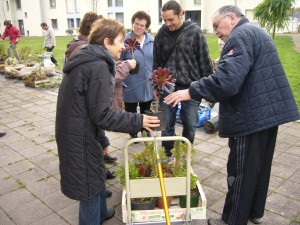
(35, 84)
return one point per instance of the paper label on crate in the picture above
(159, 215)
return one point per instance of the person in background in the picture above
(49, 40)
(14, 34)
(122, 71)
(254, 98)
(136, 88)
(181, 47)
(84, 106)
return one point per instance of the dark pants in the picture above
(52, 57)
(248, 168)
(132, 107)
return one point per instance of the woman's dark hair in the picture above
(105, 28)
(87, 21)
(142, 15)
(7, 23)
(172, 5)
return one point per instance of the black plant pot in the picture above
(136, 69)
(144, 205)
(162, 116)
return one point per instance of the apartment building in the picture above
(63, 15)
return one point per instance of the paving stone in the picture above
(217, 181)
(213, 163)
(8, 155)
(18, 167)
(17, 146)
(32, 176)
(207, 147)
(282, 205)
(32, 151)
(70, 213)
(288, 159)
(52, 219)
(4, 219)
(296, 177)
(288, 189)
(282, 171)
(29, 212)
(44, 186)
(57, 201)
(212, 195)
(14, 199)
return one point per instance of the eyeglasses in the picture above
(215, 25)
(139, 25)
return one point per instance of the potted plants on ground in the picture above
(131, 45)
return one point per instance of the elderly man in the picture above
(255, 98)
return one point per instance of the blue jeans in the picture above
(13, 47)
(189, 117)
(93, 210)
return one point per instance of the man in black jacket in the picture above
(255, 98)
(181, 47)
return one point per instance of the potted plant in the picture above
(131, 45)
(162, 81)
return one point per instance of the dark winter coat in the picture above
(83, 106)
(190, 57)
(249, 83)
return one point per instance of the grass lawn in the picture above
(289, 57)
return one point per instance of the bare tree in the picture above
(273, 14)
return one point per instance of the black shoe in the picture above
(110, 214)
(110, 175)
(218, 221)
(133, 135)
(108, 193)
(255, 220)
(2, 133)
(109, 159)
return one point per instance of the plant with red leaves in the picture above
(162, 81)
(132, 45)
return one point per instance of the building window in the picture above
(25, 14)
(197, 2)
(71, 23)
(18, 4)
(52, 3)
(78, 22)
(54, 24)
(120, 17)
(109, 3)
(119, 2)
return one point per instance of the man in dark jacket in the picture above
(181, 47)
(84, 106)
(255, 98)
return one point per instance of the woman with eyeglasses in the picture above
(136, 88)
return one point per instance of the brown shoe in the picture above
(217, 221)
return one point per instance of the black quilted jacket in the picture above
(249, 83)
(83, 108)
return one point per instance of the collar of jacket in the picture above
(241, 22)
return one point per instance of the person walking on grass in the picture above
(14, 35)
(254, 98)
(49, 40)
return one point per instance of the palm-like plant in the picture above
(272, 14)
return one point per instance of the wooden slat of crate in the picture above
(34, 84)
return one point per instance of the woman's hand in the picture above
(132, 63)
(150, 122)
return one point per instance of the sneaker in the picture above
(218, 221)
(2, 133)
(110, 175)
(110, 214)
(255, 220)
(109, 159)
(108, 193)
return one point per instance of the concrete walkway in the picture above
(29, 175)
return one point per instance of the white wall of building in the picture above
(34, 12)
